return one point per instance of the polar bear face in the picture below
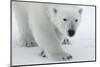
(67, 19)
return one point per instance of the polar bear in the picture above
(47, 25)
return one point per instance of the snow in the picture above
(82, 45)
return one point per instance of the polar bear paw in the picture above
(23, 43)
(30, 44)
(58, 56)
(65, 42)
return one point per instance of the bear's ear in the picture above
(80, 11)
(55, 10)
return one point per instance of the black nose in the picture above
(71, 32)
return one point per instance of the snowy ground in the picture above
(82, 45)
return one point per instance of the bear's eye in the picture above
(76, 20)
(64, 19)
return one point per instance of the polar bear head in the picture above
(66, 19)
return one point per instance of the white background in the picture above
(5, 33)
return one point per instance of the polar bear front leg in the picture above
(51, 46)
(25, 35)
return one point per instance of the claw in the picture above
(42, 54)
(31, 44)
(69, 57)
(65, 41)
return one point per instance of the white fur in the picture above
(38, 21)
